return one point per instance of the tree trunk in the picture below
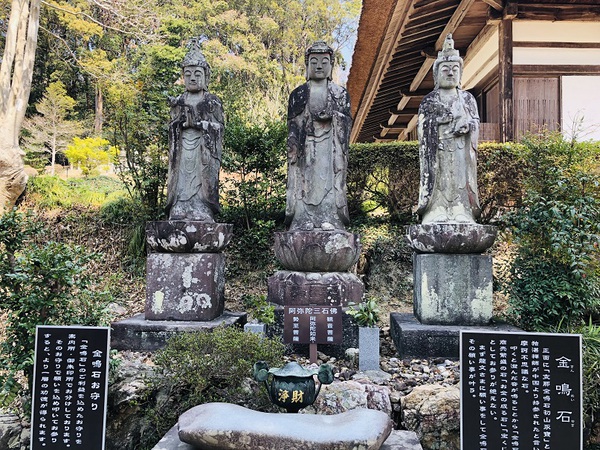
(99, 116)
(16, 73)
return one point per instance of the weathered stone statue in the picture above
(316, 252)
(196, 144)
(448, 132)
(319, 125)
(453, 278)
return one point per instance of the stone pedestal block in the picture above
(368, 344)
(453, 289)
(185, 286)
(314, 288)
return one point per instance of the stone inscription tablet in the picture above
(70, 388)
(521, 391)
(312, 325)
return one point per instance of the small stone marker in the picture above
(521, 391)
(70, 387)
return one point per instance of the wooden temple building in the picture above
(529, 63)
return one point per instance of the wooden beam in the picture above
(556, 70)
(411, 112)
(535, 44)
(507, 127)
(403, 102)
(401, 12)
(559, 11)
(510, 11)
(496, 4)
(451, 26)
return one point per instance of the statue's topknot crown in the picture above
(448, 52)
(194, 56)
(318, 47)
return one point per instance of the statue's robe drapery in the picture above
(318, 159)
(195, 148)
(448, 184)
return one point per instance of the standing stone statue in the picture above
(448, 132)
(319, 125)
(196, 144)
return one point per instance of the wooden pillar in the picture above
(507, 117)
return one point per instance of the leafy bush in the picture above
(384, 179)
(258, 308)
(53, 192)
(41, 285)
(367, 313)
(91, 152)
(254, 158)
(554, 274)
(590, 335)
(196, 368)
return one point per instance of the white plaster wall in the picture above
(580, 102)
(560, 56)
(548, 31)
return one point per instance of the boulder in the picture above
(342, 396)
(224, 426)
(127, 393)
(433, 412)
(10, 432)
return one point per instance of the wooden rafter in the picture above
(450, 27)
(496, 4)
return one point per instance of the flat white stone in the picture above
(223, 426)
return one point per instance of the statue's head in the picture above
(447, 68)
(196, 71)
(319, 61)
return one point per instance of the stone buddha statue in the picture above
(319, 125)
(195, 144)
(448, 130)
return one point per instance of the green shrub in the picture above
(554, 275)
(366, 314)
(383, 179)
(259, 308)
(53, 192)
(590, 335)
(41, 285)
(196, 368)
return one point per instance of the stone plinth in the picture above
(453, 289)
(416, 340)
(187, 236)
(138, 334)
(314, 288)
(185, 286)
(451, 238)
(317, 251)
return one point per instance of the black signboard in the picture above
(312, 325)
(69, 388)
(521, 391)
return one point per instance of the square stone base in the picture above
(185, 286)
(453, 289)
(138, 334)
(416, 340)
(291, 288)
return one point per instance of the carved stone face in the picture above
(449, 75)
(319, 66)
(194, 78)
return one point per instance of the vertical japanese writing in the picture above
(69, 388)
(524, 390)
(313, 325)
